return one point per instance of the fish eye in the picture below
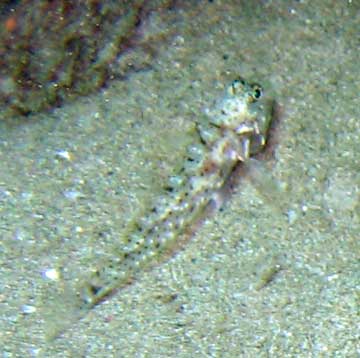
(236, 84)
(257, 91)
(240, 81)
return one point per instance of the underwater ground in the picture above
(273, 274)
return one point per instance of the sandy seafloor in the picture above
(261, 278)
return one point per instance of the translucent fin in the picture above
(271, 189)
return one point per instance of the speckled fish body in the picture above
(233, 129)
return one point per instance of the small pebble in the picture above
(27, 309)
(292, 216)
(63, 154)
(51, 274)
(72, 194)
